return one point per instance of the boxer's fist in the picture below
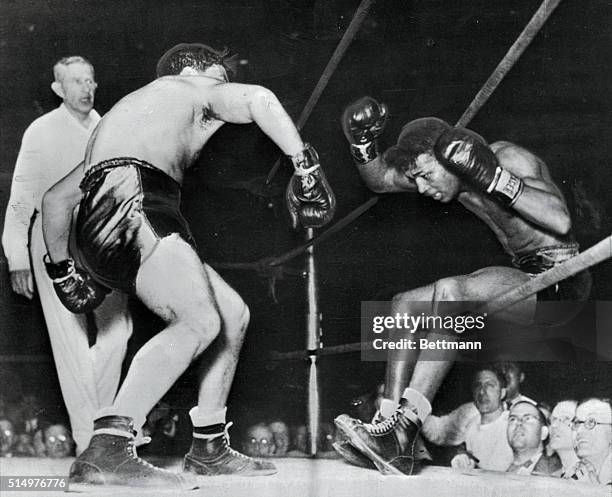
(463, 154)
(310, 200)
(76, 289)
(364, 120)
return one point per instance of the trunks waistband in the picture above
(545, 258)
(118, 162)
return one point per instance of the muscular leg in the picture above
(114, 324)
(219, 364)
(172, 283)
(400, 363)
(414, 368)
(480, 286)
(391, 444)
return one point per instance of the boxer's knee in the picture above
(201, 327)
(237, 322)
(450, 290)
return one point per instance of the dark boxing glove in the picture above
(363, 122)
(310, 199)
(76, 289)
(463, 154)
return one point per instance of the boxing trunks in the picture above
(574, 290)
(128, 205)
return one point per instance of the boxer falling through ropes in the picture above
(131, 236)
(507, 187)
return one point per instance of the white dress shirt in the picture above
(51, 147)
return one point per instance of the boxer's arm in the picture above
(381, 178)
(541, 201)
(57, 206)
(239, 103)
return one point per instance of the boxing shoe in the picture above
(389, 444)
(111, 459)
(214, 456)
(351, 455)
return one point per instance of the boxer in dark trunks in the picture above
(507, 187)
(129, 235)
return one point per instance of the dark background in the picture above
(422, 58)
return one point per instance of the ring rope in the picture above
(347, 38)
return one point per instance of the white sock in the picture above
(206, 417)
(387, 408)
(418, 401)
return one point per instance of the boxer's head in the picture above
(194, 57)
(414, 158)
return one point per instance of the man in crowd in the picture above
(131, 236)
(593, 442)
(449, 429)
(514, 378)
(512, 192)
(561, 436)
(527, 431)
(486, 444)
(88, 350)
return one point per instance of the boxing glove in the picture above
(310, 200)
(363, 122)
(465, 155)
(77, 290)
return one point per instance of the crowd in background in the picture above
(500, 429)
(26, 430)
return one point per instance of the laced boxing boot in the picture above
(111, 459)
(210, 454)
(351, 455)
(389, 444)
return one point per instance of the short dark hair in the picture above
(506, 366)
(537, 407)
(494, 369)
(416, 138)
(195, 55)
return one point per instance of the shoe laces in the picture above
(139, 460)
(385, 426)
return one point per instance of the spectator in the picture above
(514, 378)
(7, 437)
(561, 438)
(259, 441)
(160, 431)
(450, 429)
(24, 446)
(486, 444)
(592, 427)
(366, 406)
(280, 434)
(29, 412)
(58, 441)
(527, 431)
